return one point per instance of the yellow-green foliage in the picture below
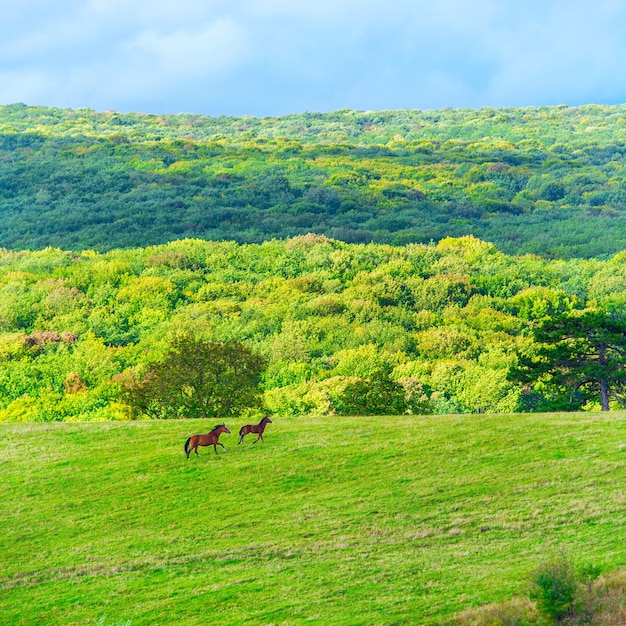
(452, 317)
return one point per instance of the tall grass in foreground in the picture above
(395, 520)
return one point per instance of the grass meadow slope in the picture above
(395, 520)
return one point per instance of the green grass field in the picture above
(403, 520)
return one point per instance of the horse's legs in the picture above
(223, 446)
(215, 447)
(194, 446)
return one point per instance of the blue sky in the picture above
(271, 57)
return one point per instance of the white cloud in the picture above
(155, 13)
(215, 47)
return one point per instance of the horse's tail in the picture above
(241, 431)
(187, 447)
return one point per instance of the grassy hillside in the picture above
(545, 180)
(331, 521)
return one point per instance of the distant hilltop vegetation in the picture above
(543, 180)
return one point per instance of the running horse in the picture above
(255, 428)
(210, 439)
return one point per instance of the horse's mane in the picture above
(216, 427)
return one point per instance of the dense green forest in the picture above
(545, 180)
(456, 326)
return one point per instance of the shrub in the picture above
(378, 395)
(307, 398)
(554, 586)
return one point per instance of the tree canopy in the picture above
(196, 378)
(543, 180)
(579, 353)
(419, 328)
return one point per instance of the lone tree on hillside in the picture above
(581, 353)
(197, 378)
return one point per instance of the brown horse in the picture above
(210, 439)
(255, 428)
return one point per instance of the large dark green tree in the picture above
(197, 378)
(580, 354)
